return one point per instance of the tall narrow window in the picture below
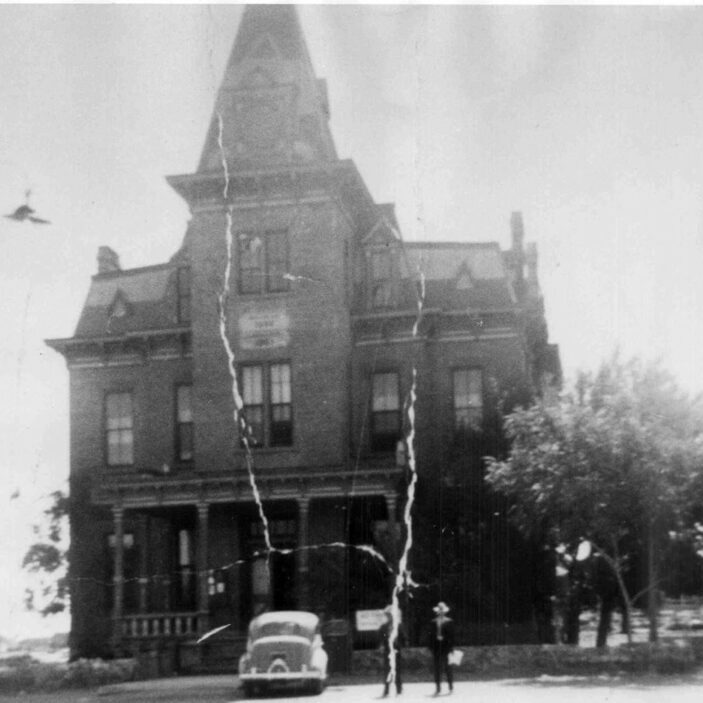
(119, 424)
(184, 423)
(183, 294)
(263, 262)
(185, 592)
(468, 399)
(251, 273)
(281, 430)
(385, 411)
(276, 261)
(253, 397)
(381, 278)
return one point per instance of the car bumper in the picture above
(283, 676)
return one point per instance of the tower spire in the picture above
(270, 108)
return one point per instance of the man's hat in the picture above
(441, 608)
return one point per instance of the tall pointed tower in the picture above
(297, 216)
(270, 117)
(270, 109)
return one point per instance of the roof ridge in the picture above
(450, 244)
(139, 269)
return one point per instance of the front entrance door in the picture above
(272, 576)
(273, 583)
(221, 597)
(283, 586)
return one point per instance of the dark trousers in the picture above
(441, 663)
(387, 673)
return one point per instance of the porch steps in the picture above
(218, 655)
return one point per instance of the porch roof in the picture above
(134, 491)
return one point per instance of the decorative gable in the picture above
(258, 78)
(117, 312)
(264, 48)
(120, 306)
(381, 233)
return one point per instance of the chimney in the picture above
(518, 231)
(108, 261)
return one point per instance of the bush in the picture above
(26, 674)
(673, 657)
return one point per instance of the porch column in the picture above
(118, 564)
(303, 554)
(201, 563)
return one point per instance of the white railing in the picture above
(147, 625)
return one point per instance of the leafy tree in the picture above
(465, 552)
(614, 462)
(48, 558)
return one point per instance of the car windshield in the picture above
(275, 629)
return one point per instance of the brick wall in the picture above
(317, 310)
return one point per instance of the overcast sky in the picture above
(589, 120)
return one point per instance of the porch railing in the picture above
(151, 625)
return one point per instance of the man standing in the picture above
(386, 634)
(441, 644)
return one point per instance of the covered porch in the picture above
(182, 567)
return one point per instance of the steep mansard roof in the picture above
(458, 275)
(133, 300)
(441, 260)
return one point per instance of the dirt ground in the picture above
(543, 689)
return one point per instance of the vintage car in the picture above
(284, 647)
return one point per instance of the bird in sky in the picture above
(25, 213)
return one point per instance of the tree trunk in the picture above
(625, 623)
(606, 612)
(626, 600)
(572, 620)
(572, 613)
(651, 584)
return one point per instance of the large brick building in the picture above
(166, 537)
